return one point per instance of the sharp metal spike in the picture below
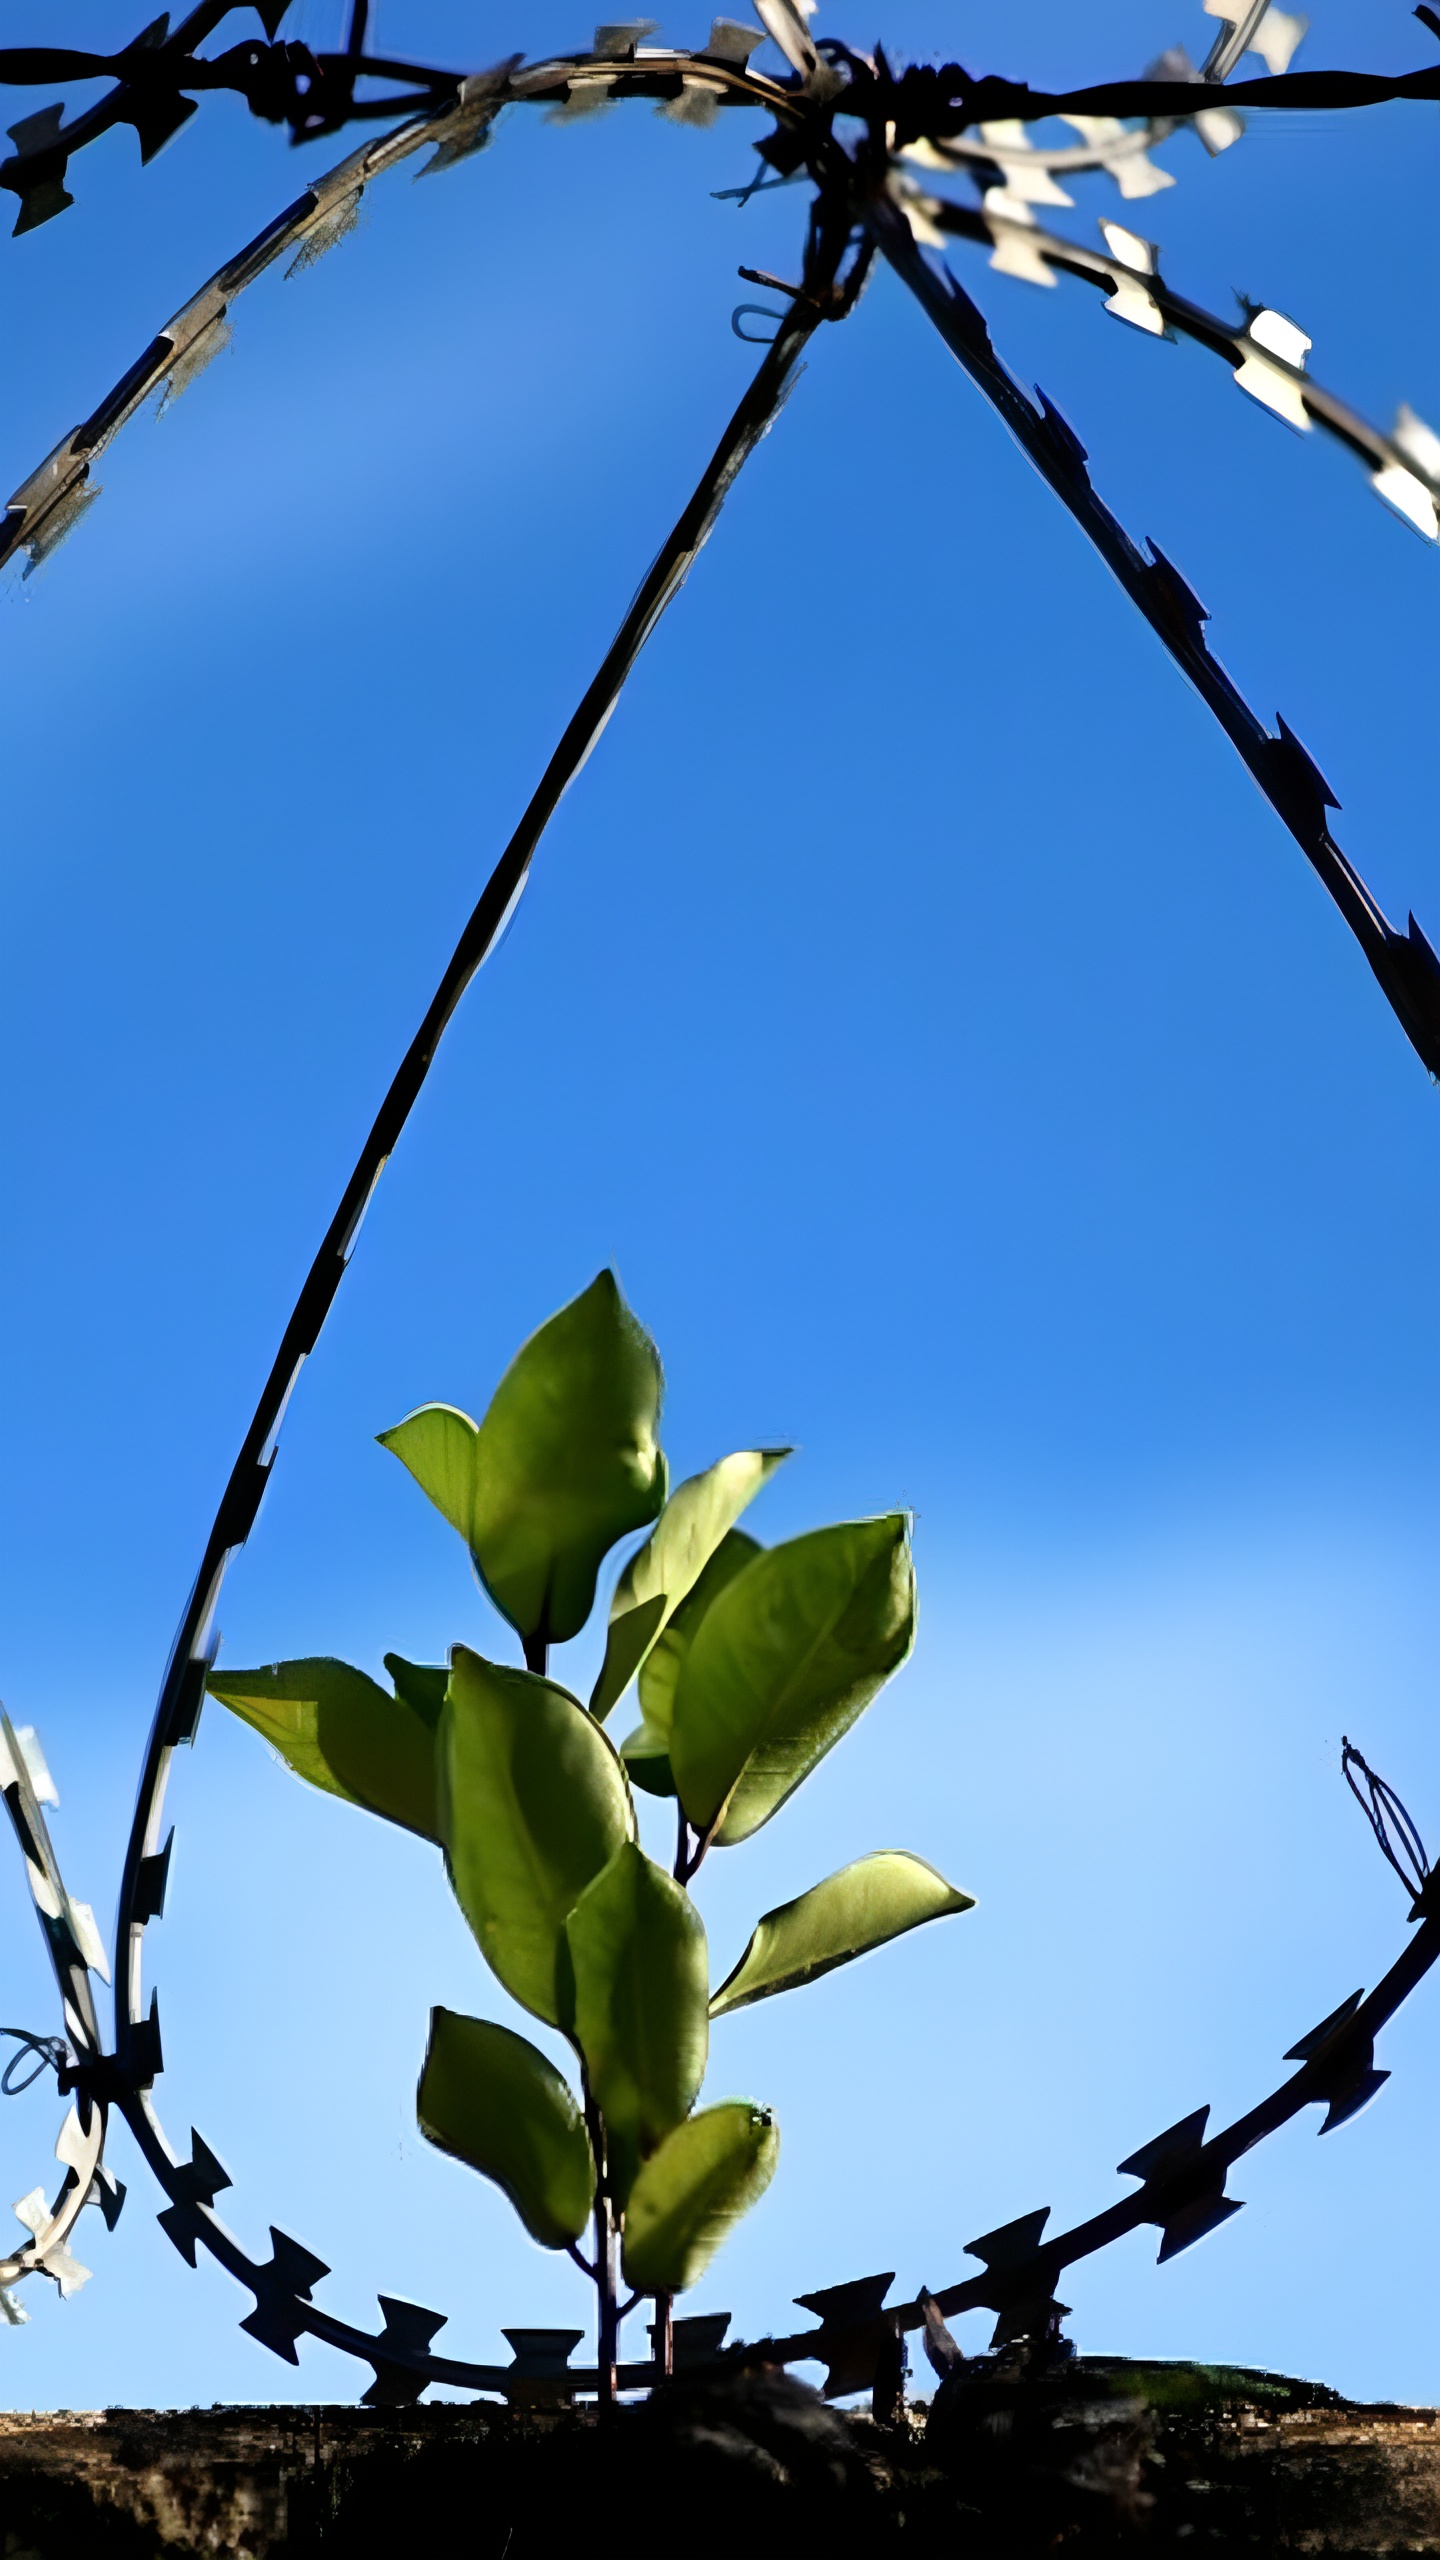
(1011, 2243)
(108, 2192)
(202, 2174)
(408, 2329)
(852, 2334)
(1306, 2047)
(539, 2375)
(276, 2321)
(1169, 2150)
(838, 2305)
(1063, 437)
(408, 2326)
(147, 2059)
(1193, 2221)
(153, 1879)
(1348, 2102)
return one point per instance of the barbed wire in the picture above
(1404, 465)
(315, 92)
(1181, 2174)
(76, 1950)
(1405, 965)
(1267, 353)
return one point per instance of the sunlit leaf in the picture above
(533, 1804)
(782, 1663)
(666, 1569)
(863, 1906)
(338, 1728)
(646, 1751)
(492, 2100)
(692, 2191)
(661, 1668)
(641, 1983)
(564, 1463)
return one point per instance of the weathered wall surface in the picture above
(1155, 2459)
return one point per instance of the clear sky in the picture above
(917, 1005)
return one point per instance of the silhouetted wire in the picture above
(314, 92)
(1406, 967)
(1398, 1838)
(1182, 2175)
(1187, 319)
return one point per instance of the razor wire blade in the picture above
(1014, 174)
(76, 1952)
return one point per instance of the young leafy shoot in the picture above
(565, 1462)
(692, 2192)
(493, 2101)
(641, 1980)
(338, 1728)
(698, 1515)
(751, 1663)
(533, 1804)
(863, 1906)
(782, 1663)
(646, 1751)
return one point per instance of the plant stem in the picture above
(664, 2334)
(607, 2321)
(682, 1844)
(537, 1652)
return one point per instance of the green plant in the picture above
(751, 1664)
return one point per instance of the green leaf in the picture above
(863, 1906)
(693, 2190)
(492, 2100)
(534, 1803)
(646, 1751)
(338, 1728)
(661, 1668)
(782, 1663)
(641, 1983)
(564, 1463)
(699, 1513)
(646, 1755)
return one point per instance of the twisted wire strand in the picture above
(49, 503)
(315, 92)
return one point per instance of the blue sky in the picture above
(916, 1004)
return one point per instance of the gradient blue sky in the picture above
(917, 1005)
